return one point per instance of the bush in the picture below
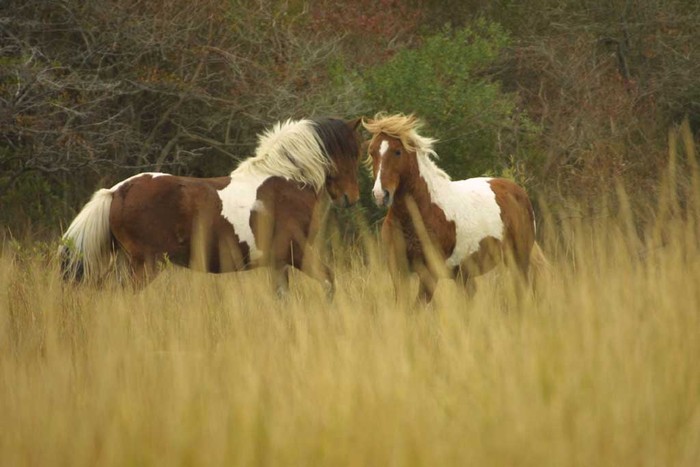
(447, 82)
(91, 93)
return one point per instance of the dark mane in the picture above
(337, 137)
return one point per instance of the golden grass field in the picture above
(600, 367)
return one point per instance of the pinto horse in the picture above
(438, 227)
(265, 213)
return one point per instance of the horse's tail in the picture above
(85, 249)
(541, 267)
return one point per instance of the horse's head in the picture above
(391, 163)
(393, 153)
(343, 148)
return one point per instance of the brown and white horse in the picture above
(265, 213)
(438, 226)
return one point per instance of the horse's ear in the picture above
(354, 123)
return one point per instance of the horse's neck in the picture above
(423, 189)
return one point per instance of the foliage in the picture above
(571, 97)
(372, 30)
(92, 92)
(604, 80)
(446, 82)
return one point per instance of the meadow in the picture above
(599, 366)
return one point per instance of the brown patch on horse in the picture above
(488, 256)
(186, 223)
(284, 224)
(518, 220)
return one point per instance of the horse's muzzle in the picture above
(383, 198)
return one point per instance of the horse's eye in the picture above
(397, 152)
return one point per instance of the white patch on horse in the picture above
(259, 206)
(383, 146)
(238, 200)
(152, 174)
(377, 189)
(470, 204)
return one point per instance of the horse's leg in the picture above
(287, 250)
(394, 273)
(314, 267)
(397, 261)
(518, 259)
(487, 257)
(427, 282)
(516, 271)
(519, 236)
(523, 264)
(280, 280)
(137, 267)
(467, 281)
(143, 271)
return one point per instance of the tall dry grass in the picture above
(601, 366)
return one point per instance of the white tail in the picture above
(85, 251)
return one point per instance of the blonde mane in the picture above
(405, 128)
(293, 150)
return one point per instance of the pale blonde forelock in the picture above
(405, 128)
(401, 126)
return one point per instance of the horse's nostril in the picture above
(386, 195)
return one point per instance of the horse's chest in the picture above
(439, 231)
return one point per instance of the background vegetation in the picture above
(599, 367)
(594, 106)
(568, 97)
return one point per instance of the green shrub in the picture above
(446, 82)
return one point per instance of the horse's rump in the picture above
(518, 219)
(178, 218)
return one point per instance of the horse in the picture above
(265, 213)
(437, 227)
